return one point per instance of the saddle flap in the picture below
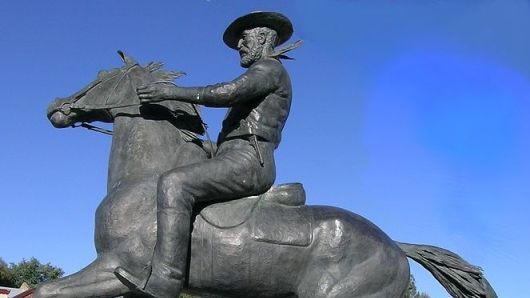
(229, 214)
(281, 224)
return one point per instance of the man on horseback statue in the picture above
(243, 164)
(262, 246)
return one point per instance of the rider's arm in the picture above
(258, 81)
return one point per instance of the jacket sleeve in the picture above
(258, 81)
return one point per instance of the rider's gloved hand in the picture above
(154, 92)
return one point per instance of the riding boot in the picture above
(165, 277)
(169, 262)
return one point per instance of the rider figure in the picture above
(243, 165)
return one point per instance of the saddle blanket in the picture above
(268, 221)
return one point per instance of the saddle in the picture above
(277, 216)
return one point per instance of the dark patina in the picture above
(249, 238)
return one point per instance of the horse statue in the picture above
(236, 249)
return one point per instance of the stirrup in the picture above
(130, 280)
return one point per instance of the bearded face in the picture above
(251, 45)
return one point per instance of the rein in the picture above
(72, 106)
(93, 128)
(104, 107)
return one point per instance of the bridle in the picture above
(67, 107)
(93, 128)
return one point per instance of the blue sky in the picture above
(410, 113)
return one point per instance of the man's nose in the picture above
(239, 43)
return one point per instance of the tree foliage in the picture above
(6, 277)
(32, 272)
(412, 292)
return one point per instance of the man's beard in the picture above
(252, 56)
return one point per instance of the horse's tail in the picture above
(458, 277)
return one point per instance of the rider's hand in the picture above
(153, 93)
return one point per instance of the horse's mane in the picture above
(192, 126)
(155, 68)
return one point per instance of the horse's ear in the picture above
(126, 59)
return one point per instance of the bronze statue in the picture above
(243, 164)
(249, 238)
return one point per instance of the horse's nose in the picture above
(55, 106)
(57, 113)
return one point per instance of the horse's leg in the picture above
(353, 259)
(360, 283)
(368, 279)
(95, 280)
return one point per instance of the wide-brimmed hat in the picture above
(273, 20)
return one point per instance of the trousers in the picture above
(235, 172)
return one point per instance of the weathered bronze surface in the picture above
(249, 238)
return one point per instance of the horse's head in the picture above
(113, 91)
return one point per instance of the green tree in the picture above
(6, 277)
(33, 272)
(412, 292)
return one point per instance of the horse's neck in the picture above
(141, 149)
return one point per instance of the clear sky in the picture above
(411, 113)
